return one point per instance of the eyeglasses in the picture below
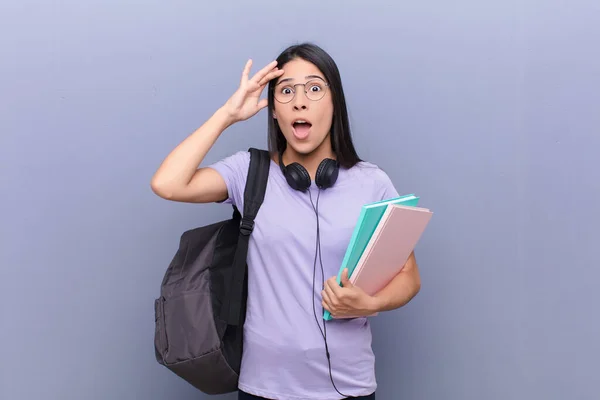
(314, 89)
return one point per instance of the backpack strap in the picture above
(254, 194)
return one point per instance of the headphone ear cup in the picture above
(297, 177)
(327, 173)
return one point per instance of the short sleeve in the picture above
(234, 171)
(384, 188)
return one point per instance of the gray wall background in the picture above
(488, 110)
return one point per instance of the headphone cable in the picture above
(318, 251)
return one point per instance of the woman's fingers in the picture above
(267, 73)
(258, 77)
(262, 104)
(326, 298)
(275, 73)
(246, 72)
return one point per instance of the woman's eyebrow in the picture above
(306, 77)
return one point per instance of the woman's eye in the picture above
(315, 88)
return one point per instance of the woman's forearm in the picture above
(401, 289)
(180, 165)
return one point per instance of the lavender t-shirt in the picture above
(284, 351)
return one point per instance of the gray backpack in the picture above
(201, 309)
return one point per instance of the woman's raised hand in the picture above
(246, 102)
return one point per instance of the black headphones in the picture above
(298, 178)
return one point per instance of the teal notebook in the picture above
(369, 217)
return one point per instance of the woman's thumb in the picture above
(345, 280)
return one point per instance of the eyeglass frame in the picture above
(313, 78)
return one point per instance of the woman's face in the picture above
(303, 106)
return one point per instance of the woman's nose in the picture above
(300, 100)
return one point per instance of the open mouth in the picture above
(301, 128)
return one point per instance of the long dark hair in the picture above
(341, 140)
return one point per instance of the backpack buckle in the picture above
(246, 227)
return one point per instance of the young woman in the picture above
(301, 231)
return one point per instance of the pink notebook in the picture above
(394, 239)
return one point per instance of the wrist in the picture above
(226, 119)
